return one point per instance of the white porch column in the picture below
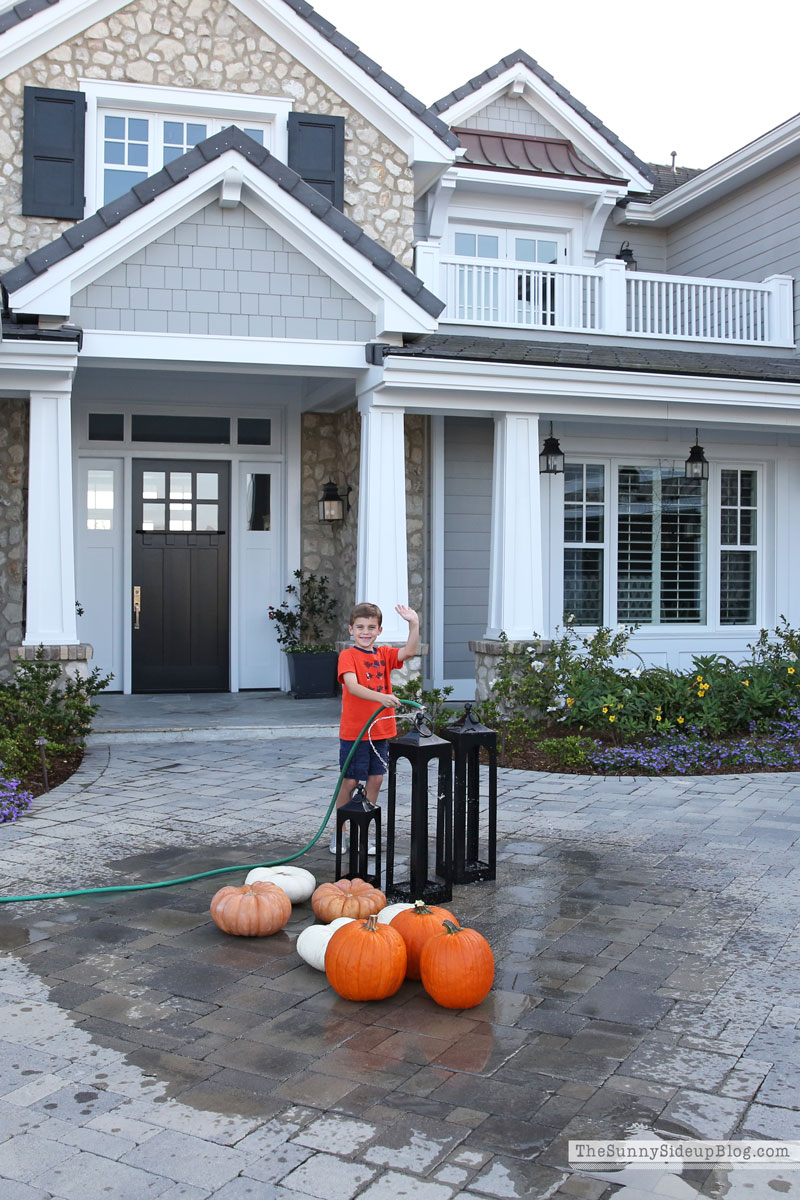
(50, 608)
(382, 573)
(516, 594)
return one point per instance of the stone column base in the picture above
(488, 653)
(73, 660)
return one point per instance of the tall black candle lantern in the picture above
(421, 747)
(364, 821)
(468, 738)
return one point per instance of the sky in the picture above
(701, 77)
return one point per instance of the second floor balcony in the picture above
(608, 299)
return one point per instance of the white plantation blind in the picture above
(661, 546)
(738, 546)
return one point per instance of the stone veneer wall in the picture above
(201, 44)
(331, 444)
(13, 490)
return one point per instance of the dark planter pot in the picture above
(312, 676)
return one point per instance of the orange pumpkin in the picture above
(365, 960)
(457, 967)
(415, 925)
(255, 910)
(346, 898)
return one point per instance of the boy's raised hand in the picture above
(407, 613)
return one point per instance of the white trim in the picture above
(774, 148)
(222, 108)
(569, 188)
(382, 568)
(195, 351)
(588, 140)
(436, 599)
(53, 26)
(51, 292)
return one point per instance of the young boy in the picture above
(365, 673)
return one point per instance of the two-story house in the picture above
(240, 261)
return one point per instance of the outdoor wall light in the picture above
(551, 460)
(332, 502)
(626, 254)
(696, 466)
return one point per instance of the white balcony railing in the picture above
(607, 299)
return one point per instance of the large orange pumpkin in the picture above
(415, 925)
(457, 967)
(346, 898)
(255, 910)
(365, 960)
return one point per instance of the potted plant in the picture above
(301, 622)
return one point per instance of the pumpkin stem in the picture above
(421, 907)
(371, 922)
(451, 927)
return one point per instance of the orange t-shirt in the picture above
(372, 669)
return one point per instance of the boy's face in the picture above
(364, 632)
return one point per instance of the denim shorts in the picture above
(365, 761)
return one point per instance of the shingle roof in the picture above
(667, 179)
(614, 358)
(212, 148)
(529, 155)
(520, 58)
(29, 8)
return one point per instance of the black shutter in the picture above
(53, 153)
(316, 152)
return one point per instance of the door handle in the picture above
(137, 605)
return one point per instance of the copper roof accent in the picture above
(528, 155)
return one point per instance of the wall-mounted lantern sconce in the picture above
(332, 503)
(626, 254)
(696, 466)
(551, 460)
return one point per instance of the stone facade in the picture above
(204, 44)
(13, 493)
(331, 450)
(488, 653)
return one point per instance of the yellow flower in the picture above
(680, 720)
(701, 694)
(612, 718)
(790, 670)
(570, 701)
(658, 708)
(745, 683)
(605, 709)
(659, 718)
(699, 678)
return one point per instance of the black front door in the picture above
(181, 523)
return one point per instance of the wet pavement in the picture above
(648, 960)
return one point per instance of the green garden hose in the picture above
(276, 862)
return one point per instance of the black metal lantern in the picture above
(626, 254)
(551, 460)
(364, 819)
(422, 747)
(332, 502)
(469, 737)
(696, 466)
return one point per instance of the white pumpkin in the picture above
(391, 910)
(298, 883)
(312, 942)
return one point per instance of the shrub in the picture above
(37, 703)
(14, 800)
(433, 700)
(304, 618)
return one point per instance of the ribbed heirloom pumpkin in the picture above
(255, 910)
(415, 925)
(365, 960)
(346, 898)
(457, 967)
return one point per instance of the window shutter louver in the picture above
(53, 154)
(316, 153)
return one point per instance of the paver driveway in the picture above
(646, 937)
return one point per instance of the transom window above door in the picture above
(529, 246)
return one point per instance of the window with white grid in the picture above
(738, 535)
(584, 542)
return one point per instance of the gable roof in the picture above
(110, 215)
(526, 154)
(520, 58)
(29, 8)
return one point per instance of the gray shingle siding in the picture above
(224, 273)
(511, 115)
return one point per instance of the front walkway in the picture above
(646, 937)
